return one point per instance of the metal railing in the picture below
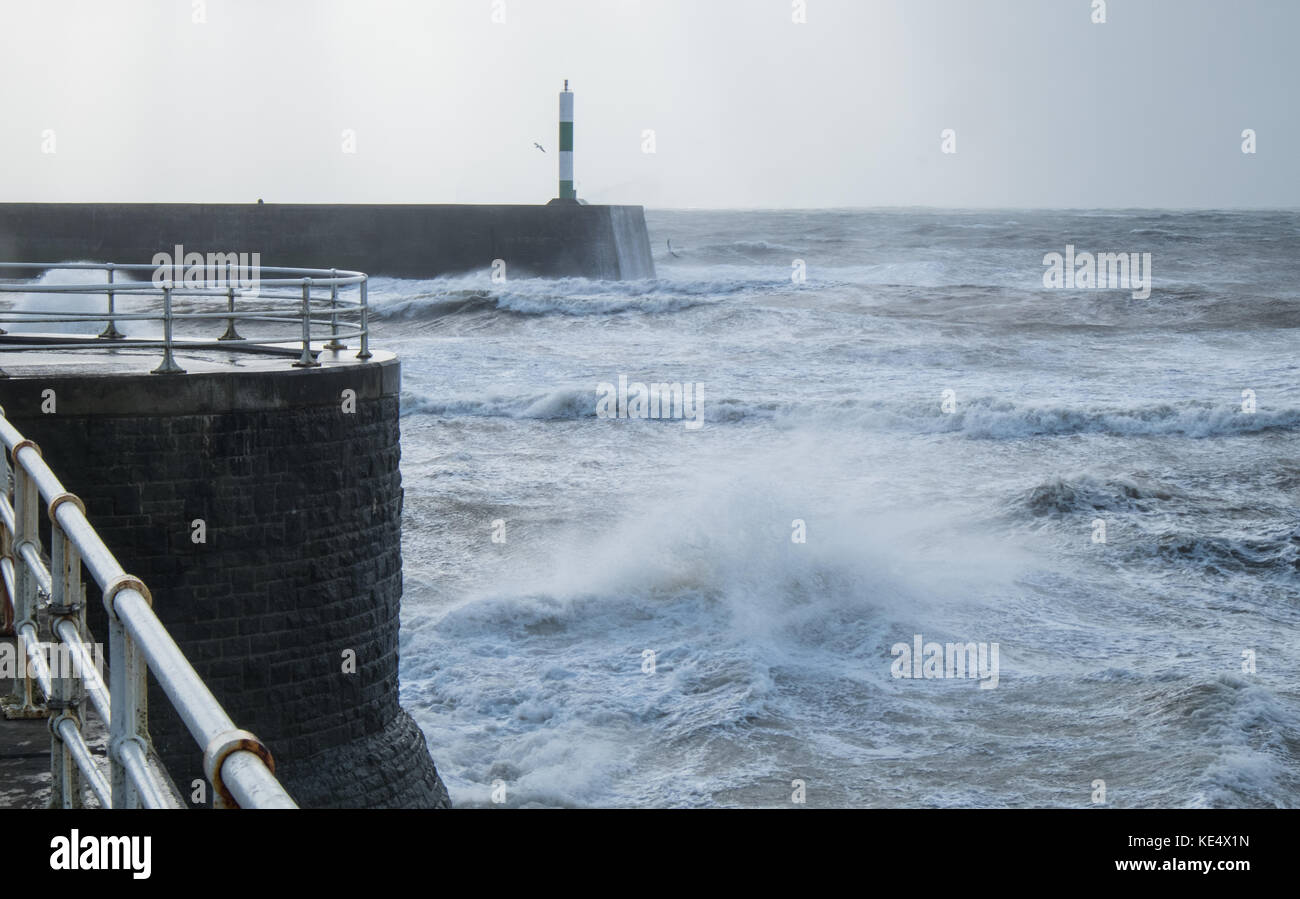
(236, 763)
(291, 296)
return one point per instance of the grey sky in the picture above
(748, 108)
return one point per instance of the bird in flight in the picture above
(539, 146)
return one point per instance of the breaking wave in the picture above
(571, 404)
(997, 419)
(981, 418)
(416, 300)
(556, 405)
(523, 660)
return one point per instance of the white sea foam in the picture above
(44, 303)
(79, 304)
(737, 615)
(558, 404)
(986, 417)
(1119, 660)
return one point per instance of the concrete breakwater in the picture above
(406, 241)
(264, 513)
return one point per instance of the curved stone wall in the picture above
(288, 607)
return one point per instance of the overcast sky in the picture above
(747, 107)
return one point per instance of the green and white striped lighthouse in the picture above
(566, 144)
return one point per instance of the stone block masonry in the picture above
(298, 577)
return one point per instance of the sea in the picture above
(946, 521)
(905, 437)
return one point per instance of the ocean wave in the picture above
(565, 404)
(1166, 233)
(1252, 735)
(998, 419)
(415, 300)
(980, 418)
(575, 403)
(746, 630)
(40, 303)
(1214, 554)
(1086, 493)
(740, 246)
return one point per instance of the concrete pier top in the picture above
(214, 380)
(100, 357)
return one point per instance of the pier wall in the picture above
(405, 241)
(300, 563)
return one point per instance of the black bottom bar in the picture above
(853, 850)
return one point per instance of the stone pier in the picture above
(263, 510)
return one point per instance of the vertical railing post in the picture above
(334, 343)
(305, 360)
(67, 789)
(6, 540)
(365, 327)
(231, 333)
(27, 518)
(110, 332)
(129, 697)
(168, 365)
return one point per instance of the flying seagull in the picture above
(539, 146)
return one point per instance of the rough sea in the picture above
(617, 612)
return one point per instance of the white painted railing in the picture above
(238, 766)
(277, 296)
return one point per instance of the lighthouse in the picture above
(567, 193)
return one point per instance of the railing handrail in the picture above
(216, 281)
(235, 761)
(320, 273)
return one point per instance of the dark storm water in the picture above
(1120, 661)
